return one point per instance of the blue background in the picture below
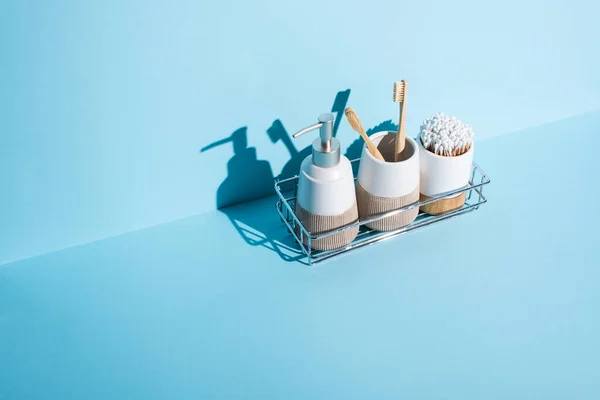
(501, 303)
(122, 115)
(105, 105)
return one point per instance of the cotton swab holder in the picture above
(387, 185)
(446, 156)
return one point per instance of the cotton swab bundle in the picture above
(446, 136)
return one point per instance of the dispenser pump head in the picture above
(325, 149)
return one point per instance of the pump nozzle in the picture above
(326, 149)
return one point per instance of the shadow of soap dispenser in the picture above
(326, 193)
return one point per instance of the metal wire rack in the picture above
(287, 190)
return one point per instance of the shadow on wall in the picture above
(277, 133)
(249, 178)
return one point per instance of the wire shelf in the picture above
(287, 190)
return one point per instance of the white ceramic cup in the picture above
(386, 185)
(441, 174)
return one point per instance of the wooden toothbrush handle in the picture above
(401, 137)
(371, 146)
(357, 126)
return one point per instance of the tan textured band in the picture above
(369, 205)
(316, 224)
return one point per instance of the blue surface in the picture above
(104, 105)
(500, 303)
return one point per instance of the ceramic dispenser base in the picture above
(317, 224)
(444, 205)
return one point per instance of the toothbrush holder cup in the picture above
(384, 186)
(440, 174)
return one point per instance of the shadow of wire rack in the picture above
(287, 190)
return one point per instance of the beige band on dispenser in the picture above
(316, 224)
(369, 205)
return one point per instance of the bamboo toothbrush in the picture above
(400, 97)
(357, 126)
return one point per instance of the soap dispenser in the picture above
(326, 193)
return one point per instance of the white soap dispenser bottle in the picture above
(326, 193)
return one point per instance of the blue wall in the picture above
(105, 106)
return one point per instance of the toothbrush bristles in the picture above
(353, 120)
(399, 89)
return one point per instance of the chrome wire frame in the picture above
(287, 190)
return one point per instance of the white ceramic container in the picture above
(386, 185)
(441, 174)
